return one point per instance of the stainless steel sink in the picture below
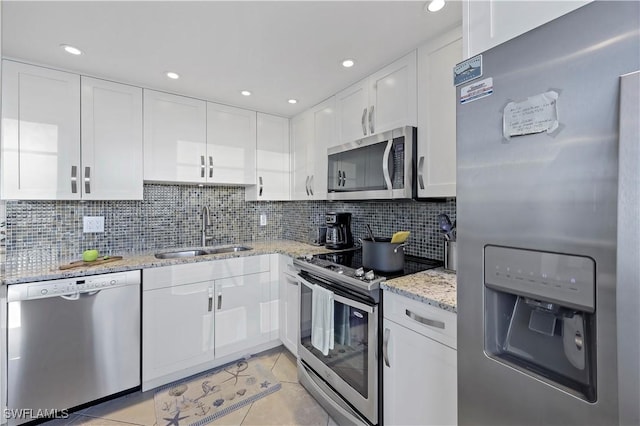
(193, 253)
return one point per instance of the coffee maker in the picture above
(338, 230)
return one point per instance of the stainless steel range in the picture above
(346, 379)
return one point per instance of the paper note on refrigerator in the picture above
(537, 114)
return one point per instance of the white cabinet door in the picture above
(241, 313)
(436, 167)
(352, 109)
(392, 96)
(302, 144)
(488, 23)
(420, 379)
(272, 163)
(289, 305)
(111, 141)
(177, 329)
(231, 145)
(175, 133)
(40, 133)
(325, 135)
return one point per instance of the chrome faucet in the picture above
(206, 221)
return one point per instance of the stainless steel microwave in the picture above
(378, 167)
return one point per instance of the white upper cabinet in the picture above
(42, 136)
(436, 150)
(487, 23)
(324, 135)
(175, 138)
(272, 160)
(231, 145)
(40, 133)
(302, 129)
(111, 141)
(383, 101)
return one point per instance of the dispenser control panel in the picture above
(560, 278)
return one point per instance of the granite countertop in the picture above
(435, 287)
(26, 270)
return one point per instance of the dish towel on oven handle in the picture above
(322, 334)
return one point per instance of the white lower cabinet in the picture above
(419, 364)
(201, 315)
(289, 305)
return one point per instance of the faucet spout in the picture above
(206, 221)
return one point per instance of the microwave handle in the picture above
(385, 165)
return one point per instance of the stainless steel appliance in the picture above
(537, 147)
(318, 236)
(72, 341)
(339, 234)
(381, 166)
(346, 381)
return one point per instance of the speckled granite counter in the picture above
(435, 287)
(28, 270)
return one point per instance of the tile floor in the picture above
(291, 405)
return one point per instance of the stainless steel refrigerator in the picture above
(537, 186)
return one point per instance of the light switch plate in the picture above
(92, 224)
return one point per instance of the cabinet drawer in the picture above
(427, 320)
(175, 275)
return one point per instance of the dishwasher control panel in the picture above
(72, 287)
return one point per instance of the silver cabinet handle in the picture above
(364, 126)
(344, 178)
(311, 185)
(420, 172)
(210, 166)
(385, 346)
(74, 179)
(210, 300)
(423, 320)
(339, 177)
(260, 180)
(306, 184)
(87, 180)
(371, 120)
(219, 300)
(202, 166)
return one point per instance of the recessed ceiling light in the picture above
(71, 49)
(348, 63)
(434, 5)
(246, 93)
(293, 101)
(173, 75)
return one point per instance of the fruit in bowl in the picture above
(90, 255)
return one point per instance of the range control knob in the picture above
(370, 275)
(308, 257)
(359, 272)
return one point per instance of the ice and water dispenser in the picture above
(540, 316)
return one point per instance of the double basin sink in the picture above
(200, 252)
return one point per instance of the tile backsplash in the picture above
(170, 216)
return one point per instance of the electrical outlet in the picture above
(92, 224)
(263, 220)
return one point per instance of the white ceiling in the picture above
(276, 49)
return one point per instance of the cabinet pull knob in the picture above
(219, 300)
(385, 346)
(74, 179)
(210, 166)
(260, 180)
(420, 172)
(423, 320)
(371, 120)
(87, 180)
(364, 126)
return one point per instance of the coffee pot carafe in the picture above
(339, 234)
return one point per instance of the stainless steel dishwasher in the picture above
(72, 341)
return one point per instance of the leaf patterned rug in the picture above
(200, 399)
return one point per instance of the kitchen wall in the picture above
(50, 232)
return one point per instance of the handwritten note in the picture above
(537, 114)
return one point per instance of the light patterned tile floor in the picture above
(291, 405)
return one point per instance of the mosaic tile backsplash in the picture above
(170, 217)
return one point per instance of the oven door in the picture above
(351, 367)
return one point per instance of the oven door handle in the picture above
(340, 299)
